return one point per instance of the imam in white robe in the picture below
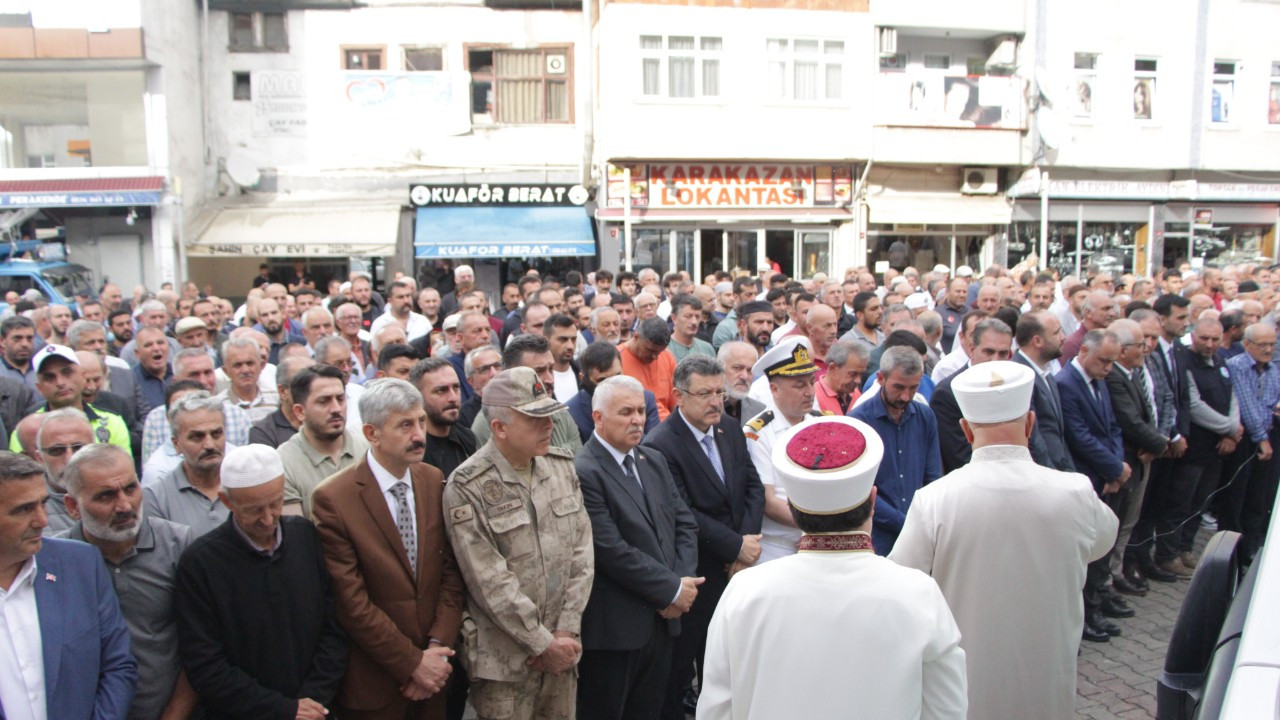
(1008, 541)
(831, 636)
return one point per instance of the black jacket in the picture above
(645, 542)
(255, 633)
(1136, 418)
(724, 511)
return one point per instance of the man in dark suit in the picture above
(707, 454)
(68, 619)
(1040, 338)
(399, 589)
(1172, 481)
(597, 363)
(992, 340)
(1097, 450)
(646, 550)
(1128, 387)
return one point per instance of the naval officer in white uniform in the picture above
(834, 631)
(790, 372)
(1008, 541)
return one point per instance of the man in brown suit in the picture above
(399, 592)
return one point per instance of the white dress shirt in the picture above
(385, 482)
(417, 325)
(22, 649)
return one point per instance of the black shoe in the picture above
(690, 702)
(1133, 575)
(1093, 634)
(1099, 622)
(1123, 585)
(1114, 607)
(1151, 572)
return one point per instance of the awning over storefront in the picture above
(82, 192)
(940, 209)
(477, 232)
(301, 231)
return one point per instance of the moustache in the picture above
(210, 453)
(417, 447)
(124, 518)
(336, 416)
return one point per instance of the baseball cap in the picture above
(52, 351)
(520, 389)
(451, 322)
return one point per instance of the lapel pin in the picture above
(51, 577)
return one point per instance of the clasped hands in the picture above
(430, 675)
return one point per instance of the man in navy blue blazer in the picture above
(599, 362)
(1097, 450)
(77, 654)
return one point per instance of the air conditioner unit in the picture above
(556, 64)
(980, 181)
(1004, 52)
(888, 41)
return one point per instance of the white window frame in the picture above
(788, 57)
(1152, 78)
(1084, 75)
(700, 56)
(1229, 80)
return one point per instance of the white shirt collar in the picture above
(617, 454)
(697, 434)
(384, 477)
(1035, 365)
(1075, 363)
(26, 577)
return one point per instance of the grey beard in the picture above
(105, 532)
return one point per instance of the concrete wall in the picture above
(742, 122)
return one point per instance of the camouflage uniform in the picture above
(525, 550)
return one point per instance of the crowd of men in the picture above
(536, 501)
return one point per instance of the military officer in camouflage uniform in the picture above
(790, 372)
(522, 536)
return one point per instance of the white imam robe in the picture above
(832, 635)
(1008, 541)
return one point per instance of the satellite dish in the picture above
(1051, 128)
(241, 170)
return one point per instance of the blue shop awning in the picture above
(479, 232)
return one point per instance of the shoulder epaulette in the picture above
(758, 422)
(820, 413)
(466, 470)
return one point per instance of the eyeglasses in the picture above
(60, 450)
(705, 395)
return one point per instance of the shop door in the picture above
(741, 247)
(813, 254)
(780, 249)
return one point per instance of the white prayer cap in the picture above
(827, 465)
(251, 466)
(723, 287)
(915, 301)
(994, 392)
(940, 268)
(964, 271)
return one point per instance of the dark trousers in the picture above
(458, 689)
(1168, 503)
(1098, 573)
(625, 684)
(1246, 503)
(1210, 475)
(689, 649)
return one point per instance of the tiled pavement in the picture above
(1117, 679)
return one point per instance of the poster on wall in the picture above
(932, 100)
(400, 106)
(279, 103)
(729, 185)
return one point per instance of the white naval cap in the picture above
(251, 466)
(793, 355)
(994, 392)
(828, 464)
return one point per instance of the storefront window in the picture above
(1108, 247)
(72, 119)
(650, 248)
(923, 251)
(1215, 245)
(742, 250)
